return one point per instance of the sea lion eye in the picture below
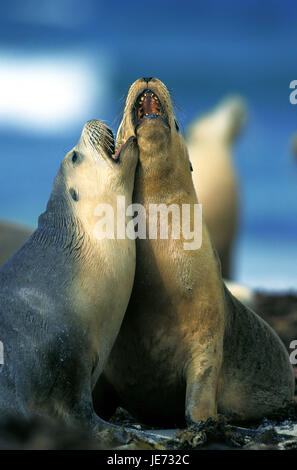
(176, 125)
(191, 168)
(73, 194)
(74, 156)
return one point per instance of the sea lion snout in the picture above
(148, 101)
(147, 79)
(100, 136)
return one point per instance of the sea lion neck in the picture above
(58, 226)
(61, 230)
(163, 170)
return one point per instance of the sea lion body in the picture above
(64, 293)
(186, 347)
(12, 237)
(209, 140)
(244, 294)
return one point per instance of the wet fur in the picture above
(64, 293)
(186, 348)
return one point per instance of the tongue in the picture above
(149, 105)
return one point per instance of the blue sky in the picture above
(63, 62)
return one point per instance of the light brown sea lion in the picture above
(210, 140)
(186, 347)
(63, 295)
(12, 237)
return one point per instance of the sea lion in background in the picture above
(12, 237)
(243, 293)
(210, 140)
(64, 293)
(186, 346)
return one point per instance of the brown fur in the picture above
(186, 346)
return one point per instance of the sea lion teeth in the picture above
(148, 104)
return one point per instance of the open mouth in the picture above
(147, 105)
(117, 154)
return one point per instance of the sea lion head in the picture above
(149, 116)
(92, 173)
(223, 124)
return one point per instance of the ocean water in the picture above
(203, 52)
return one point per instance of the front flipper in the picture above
(202, 379)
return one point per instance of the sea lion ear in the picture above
(74, 194)
(191, 168)
(75, 157)
(176, 125)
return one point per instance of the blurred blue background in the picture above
(63, 62)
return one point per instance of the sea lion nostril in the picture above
(147, 79)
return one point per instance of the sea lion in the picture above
(64, 293)
(210, 140)
(243, 293)
(186, 347)
(12, 237)
(278, 309)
